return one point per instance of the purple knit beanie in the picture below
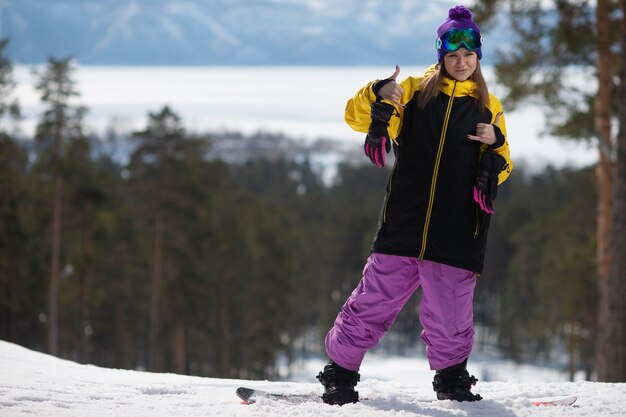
(459, 17)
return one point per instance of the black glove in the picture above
(377, 137)
(486, 186)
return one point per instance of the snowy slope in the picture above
(35, 384)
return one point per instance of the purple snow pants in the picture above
(388, 281)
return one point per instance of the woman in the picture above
(449, 137)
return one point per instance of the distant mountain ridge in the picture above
(223, 32)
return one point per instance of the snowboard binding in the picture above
(454, 383)
(338, 384)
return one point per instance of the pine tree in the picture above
(158, 167)
(61, 122)
(86, 194)
(13, 166)
(548, 287)
(9, 105)
(615, 370)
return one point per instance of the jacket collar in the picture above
(462, 88)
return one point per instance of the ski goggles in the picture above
(453, 39)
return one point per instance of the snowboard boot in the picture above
(338, 384)
(454, 383)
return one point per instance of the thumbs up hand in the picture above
(390, 90)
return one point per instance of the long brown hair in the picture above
(430, 86)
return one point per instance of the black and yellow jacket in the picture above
(429, 211)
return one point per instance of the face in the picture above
(460, 64)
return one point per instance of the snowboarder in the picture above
(449, 138)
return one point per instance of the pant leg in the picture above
(446, 313)
(387, 284)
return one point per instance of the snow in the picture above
(36, 384)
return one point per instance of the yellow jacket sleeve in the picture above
(495, 107)
(357, 113)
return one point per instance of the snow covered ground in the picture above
(36, 384)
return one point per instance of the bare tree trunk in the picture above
(55, 261)
(13, 309)
(85, 285)
(616, 285)
(155, 301)
(604, 180)
(179, 336)
(224, 331)
(124, 345)
(179, 347)
(571, 357)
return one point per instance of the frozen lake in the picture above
(303, 102)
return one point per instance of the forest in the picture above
(185, 261)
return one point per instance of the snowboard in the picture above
(554, 401)
(250, 396)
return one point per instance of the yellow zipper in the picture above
(433, 182)
(477, 229)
